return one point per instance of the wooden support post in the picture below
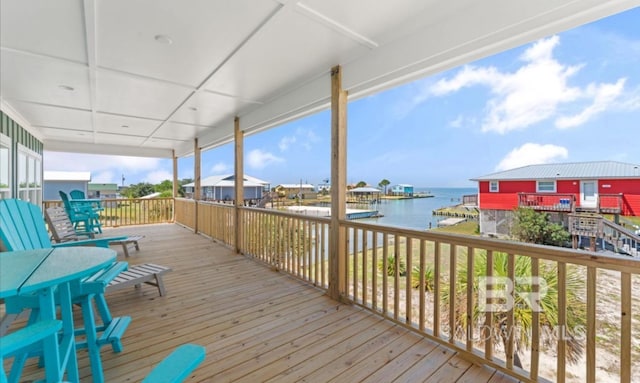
(175, 174)
(196, 174)
(239, 182)
(337, 234)
(175, 183)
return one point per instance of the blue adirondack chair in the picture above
(83, 216)
(22, 227)
(76, 194)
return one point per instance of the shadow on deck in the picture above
(259, 325)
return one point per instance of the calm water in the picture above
(416, 213)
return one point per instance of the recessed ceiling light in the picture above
(66, 87)
(124, 126)
(163, 39)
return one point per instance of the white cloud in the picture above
(285, 142)
(103, 168)
(220, 168)
(308, 138)
(534, 92)
(259, 159)
(303, 138)
(457, 122)
(532, 154)
(603, 95)
(105, 177)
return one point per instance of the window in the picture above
(546, 186)
(494, 186)
(29, 175)
(5, 167)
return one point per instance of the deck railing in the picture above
(606, 203)
(470, 200)
(131, 211)
(536, 312)
(610, 203)
(547, 201)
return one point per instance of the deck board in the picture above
(258, 325)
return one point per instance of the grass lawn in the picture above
(468, 228)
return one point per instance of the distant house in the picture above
(324, 187)
(55, 181)
(363, 194)
(102, 190)
(600, 187)
(222, 188)
(292, 190)
(404, 190)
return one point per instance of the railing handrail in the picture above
(565, 255)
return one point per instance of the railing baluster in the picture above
(625, 327)
(590, 362)
(452, 291)
(354, 263)
(374, 270)
(422, 285)
(562, 322)
(385, 278)
(488, 322)
(535, 319)
(396, 277)
(408, 287)
(511, 275)
(436, 289)
(365, 273)
(324, 257)
(470, 300)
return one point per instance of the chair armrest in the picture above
(178, 365)
(99, 242)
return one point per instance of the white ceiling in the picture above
(266, 61)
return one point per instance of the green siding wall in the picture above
(19, 135)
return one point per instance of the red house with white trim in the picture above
(606, 187)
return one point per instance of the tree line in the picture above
(165, 188)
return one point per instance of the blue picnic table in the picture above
(51, 273)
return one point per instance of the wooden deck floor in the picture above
(259, 325)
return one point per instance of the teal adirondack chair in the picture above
(76, 194)
(22, 227)
(83, 216)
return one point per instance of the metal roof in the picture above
(102, 187)
(148, 77)
(574, 170)
(293, 186)
(364, 189)
(50, 175)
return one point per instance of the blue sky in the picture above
(570, 97)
